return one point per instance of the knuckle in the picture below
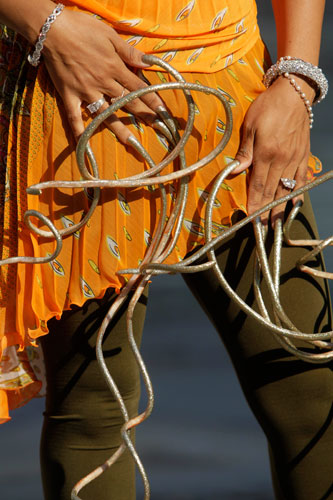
(277, 167)
(113, 66)
(139, 84)
(267, 153)
(269, 194)
(73, 117)
(155, 102)
(243, 153)
(151, 102)
(302, 178)
(258, 185)
(132, 53)
(133, 106)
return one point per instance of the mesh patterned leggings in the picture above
(291, 400)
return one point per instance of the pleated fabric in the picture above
(196, 35)
(37, 145)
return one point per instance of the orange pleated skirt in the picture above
(37, 144)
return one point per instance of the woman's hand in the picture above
(275, 143)
(86, 60)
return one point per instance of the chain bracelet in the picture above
(34, 58)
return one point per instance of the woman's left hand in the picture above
(275, 143)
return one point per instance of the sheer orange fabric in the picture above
(200, 37)
(196, 35)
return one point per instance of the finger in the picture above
(301, 177)
(135, 107)
(268, 165)
(282, 190)
(256, 189)
(113, 123)
(128, 53)
(141, 111)
(269, 162)
(274, 188)
(132, 82)
(118, 128)
(245, 152)
(72, 106)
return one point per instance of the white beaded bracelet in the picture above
(296, 66)
(302, 95)
(34, 58)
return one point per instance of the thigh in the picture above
(82, 421)
(291, 399)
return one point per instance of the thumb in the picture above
(129, 54)
(245, 152)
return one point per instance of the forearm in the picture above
(25, 17)
(298, 27)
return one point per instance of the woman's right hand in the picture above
(86, 60)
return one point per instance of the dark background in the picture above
(201, 441)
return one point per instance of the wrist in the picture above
(305, 86)
(35, 56)
(39, 20)
(294, 96)
(311, 74)
(30, 19)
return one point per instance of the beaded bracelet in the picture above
(34, 58)
(302, 95)
(287, 65)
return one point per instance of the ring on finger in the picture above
(96, 105)
(288, 183)
(114, 99)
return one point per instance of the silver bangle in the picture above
(34, 58)
(292, 65)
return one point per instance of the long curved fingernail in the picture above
(167, 119)
(161, 127)
(133, 141)
(136, 144)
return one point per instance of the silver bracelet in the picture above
(34, 58)
(292, 65)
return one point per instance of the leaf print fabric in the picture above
(36, 143)
(196, 35)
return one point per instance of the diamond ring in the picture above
(288, 183)
(96, 105)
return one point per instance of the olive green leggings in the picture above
(291, 399)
